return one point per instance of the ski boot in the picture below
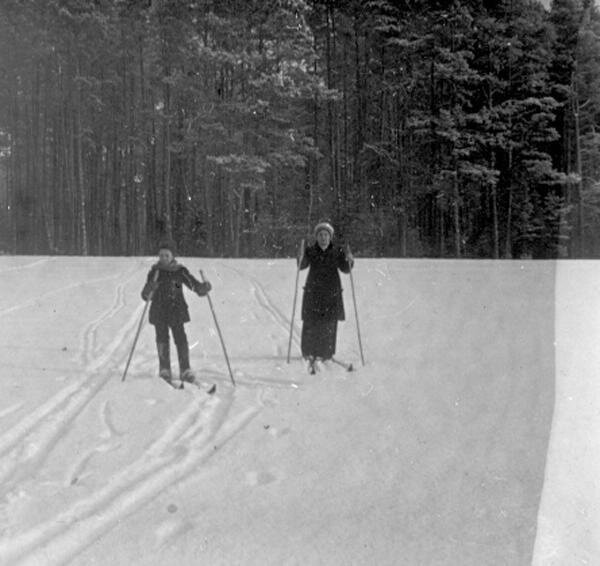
(188, 376)
(166, 375)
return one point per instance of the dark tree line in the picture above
(420, 128)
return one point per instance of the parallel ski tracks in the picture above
(89, 347)
(206, 423)
(60, 290)
(29, 265)
(176, 454)
(28, 443)
(267, 304)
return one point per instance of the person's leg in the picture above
(183, 350)
(162, 346)
(318, 338)
(328, 342)
(307, 342)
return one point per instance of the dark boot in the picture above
(164, 360)
(183, 353)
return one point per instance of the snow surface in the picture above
(433, 453)
(569, 518)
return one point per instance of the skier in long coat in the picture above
(169, 309)
(322, 302)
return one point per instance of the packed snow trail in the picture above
(433, 453)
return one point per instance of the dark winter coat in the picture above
(168, 304)
(322, 298)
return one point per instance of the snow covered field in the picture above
(433, 453)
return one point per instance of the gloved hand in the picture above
(349, 256)
(302, 252)
(149, 287)
(202, 289)
(299, 259)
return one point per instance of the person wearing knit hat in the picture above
(324, 226)
(322, 303)
(169, 310)
(167, 245)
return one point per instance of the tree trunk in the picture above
(80, 173)
(580, 225)
(168, 226)
(456, 208)
(442, 235)
(495, 221)
(508, 247)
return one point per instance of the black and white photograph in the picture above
(300, 282)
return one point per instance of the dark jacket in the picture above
(322, 298)
(168, 305)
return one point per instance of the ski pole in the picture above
(212, 308)
(362, 357)
(295, 299)
(139, 329)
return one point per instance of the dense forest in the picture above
(418, 128)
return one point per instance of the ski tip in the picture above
(212, 389)
(350, 367)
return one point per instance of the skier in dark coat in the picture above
(322, 302)
(169, 309)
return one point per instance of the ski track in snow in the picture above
(77, 473)
(250, 381)
(206, 424)
(25, 446)
(263, 299)
(187, 443)
(10, 410)
(267, 304)
(32, 302)
(169, 531)
(25, 265)
(89, 348)
(106, 417)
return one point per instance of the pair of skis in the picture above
(313, 366)
(209, 388)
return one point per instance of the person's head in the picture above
(166, 252)
(323, 234)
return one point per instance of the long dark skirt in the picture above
(318, 338)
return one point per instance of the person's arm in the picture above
(306, 258)
(200, 288)
(151, 284)
(345, 260)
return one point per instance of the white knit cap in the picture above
(324, 226)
